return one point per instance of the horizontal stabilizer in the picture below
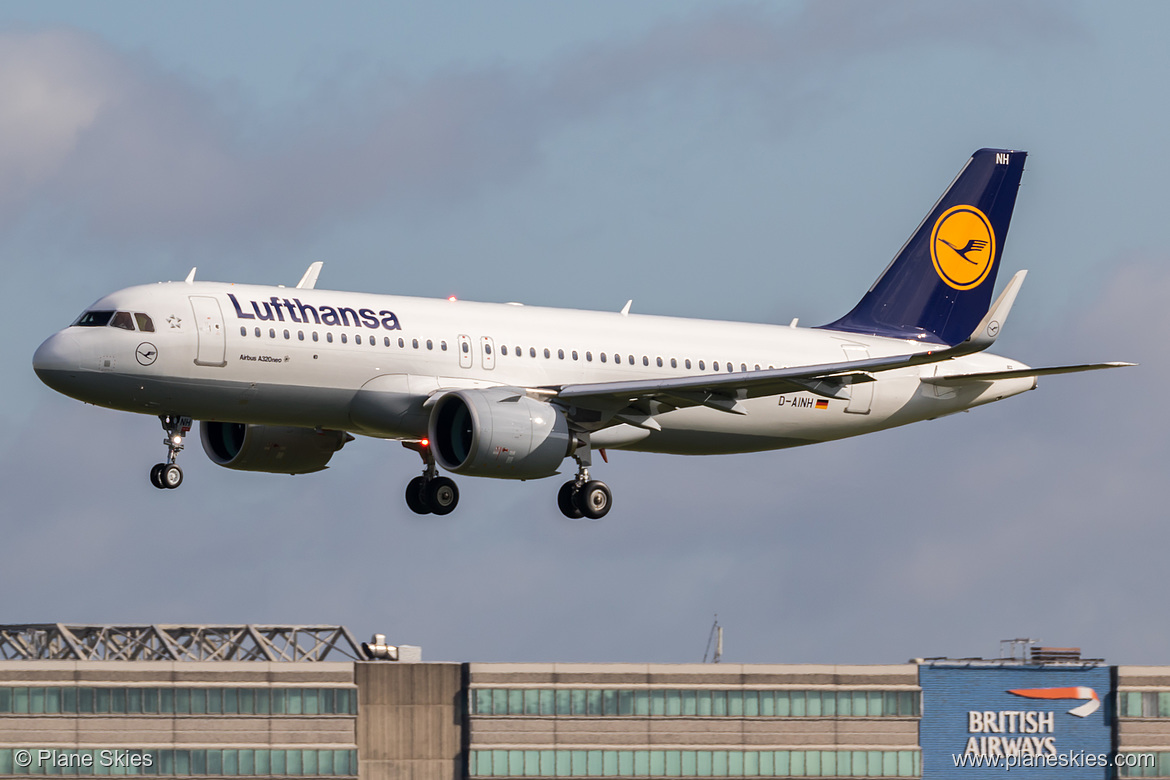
(991, 376)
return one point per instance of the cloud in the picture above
(131, 152)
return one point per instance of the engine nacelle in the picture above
(271, 448)
(499, 432)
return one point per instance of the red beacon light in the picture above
(451, 298)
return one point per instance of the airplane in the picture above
(281, 379)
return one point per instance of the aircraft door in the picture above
(465, 351)
(212, 347)
(861, 393)
(487, 352)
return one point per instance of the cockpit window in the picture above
(144, 322)
(123, 320)
(94, 319)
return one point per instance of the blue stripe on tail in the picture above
(939, 285)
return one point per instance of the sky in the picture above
(751, 161)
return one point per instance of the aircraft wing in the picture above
(991, 376)
(637, 401)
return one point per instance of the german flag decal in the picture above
(822, 403)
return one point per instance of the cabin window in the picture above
(94, 319)
(300, 335)
(314, 335)
(145, 324)
(701, 366)
(414, 343)
(687, 363)
(329, 337)
(757, 366)
(443, 345)
(286, 335)
(517, 351)
(602, 357)
(357, 339)
(645, 360)
(574, 354)
(123, 320)
(344, 339)
(547, 354)
(243, 331)
(743, 366)
(272, 333)
(532, 351)
(402, 344)
(257, 333)
(430, 344)
(673, 363)
(659, 360)
(560, 354)
(487, 349)
(386, 341)
(588, 357)
(631, 360)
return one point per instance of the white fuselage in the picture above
(368, 364)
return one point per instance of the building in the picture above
(297, 701)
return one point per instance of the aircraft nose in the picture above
(59, 355)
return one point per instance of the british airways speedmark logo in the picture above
(276, 308)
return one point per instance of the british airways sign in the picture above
(276, 308)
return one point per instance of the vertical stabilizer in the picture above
(938, 287)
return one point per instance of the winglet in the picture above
(626, 308)
(992, 323)
(309, 280)
(191, 276)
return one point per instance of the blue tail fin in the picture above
(938, 287)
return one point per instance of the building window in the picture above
(674, 702)
(695, 763)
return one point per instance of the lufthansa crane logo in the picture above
(146, 353)
(962, 246)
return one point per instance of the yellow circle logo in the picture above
(962, 246)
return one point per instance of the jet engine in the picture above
(499, 432)
(271, 448)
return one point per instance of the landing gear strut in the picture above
(430, 493)
(168, 475)
(582, 496)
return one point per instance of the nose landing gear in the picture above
(430, 493)
(168, 476)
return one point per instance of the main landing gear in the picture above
(430, 493)
(167, 475)
(581, 496)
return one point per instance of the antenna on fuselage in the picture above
(191, 276)
(626, 308)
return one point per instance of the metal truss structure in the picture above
(61, 642)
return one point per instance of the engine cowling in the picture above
(271, 448)
(499, 432)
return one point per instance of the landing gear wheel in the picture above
(156, 475)
(442, 495)
(416, 496)
(171, 476)
(566, 500)
(594, 499)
